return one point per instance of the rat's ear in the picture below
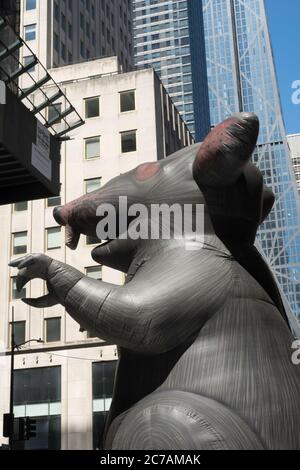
(267, 203)
(226, 151)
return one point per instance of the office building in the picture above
(168, 36)
(70, 31)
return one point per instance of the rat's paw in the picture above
(34, 267)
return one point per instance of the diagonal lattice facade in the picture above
(242, 77)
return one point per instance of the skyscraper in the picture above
(168, 35)
(242, 77)
(70, 31)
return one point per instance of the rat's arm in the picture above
(161, 307)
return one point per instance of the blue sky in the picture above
(284, 22)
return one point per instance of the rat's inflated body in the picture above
(205, 349)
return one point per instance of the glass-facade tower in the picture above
(169, 36)
(242, 77)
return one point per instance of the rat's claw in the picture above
(41, 302)
(28, 261)
(22, 279)
(31, 267)
(17, 263)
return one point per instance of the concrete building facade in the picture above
(294, 144)
(71, 31)
(66, 382)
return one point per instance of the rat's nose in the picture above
(57, 215)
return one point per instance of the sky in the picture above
(284, 23)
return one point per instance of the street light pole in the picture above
(12, 365)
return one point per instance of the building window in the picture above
(37, 385)
(70, 31)
(92, 107)
(92, 147)
(30, 5)
(28, 60)
(20, 206)
(94, 272)
(19, 243)
(37, 393)
(92, 185)
(54, 111)
(52, 330)
(19, 329)
(30, 32)
(103, 375)
(127, 101)
(15, 294)
(63, 51)
(128, 141)
(56, 12)
(53, 238)
(54, 201)
(56, 42)
(63, 21)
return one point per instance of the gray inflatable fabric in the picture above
(204, 345)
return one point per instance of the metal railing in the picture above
(27, 80)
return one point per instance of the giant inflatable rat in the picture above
(205, 349)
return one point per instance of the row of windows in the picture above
(127, 103)
(52, 330)
(50, 202)
(92, 144)
(19, 241)
(92, 105)
(92, 110)
(53, 234)
(91, 184)
(92, 147)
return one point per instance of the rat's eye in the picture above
(146, 171)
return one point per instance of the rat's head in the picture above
(216, 173)
(236, 197)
